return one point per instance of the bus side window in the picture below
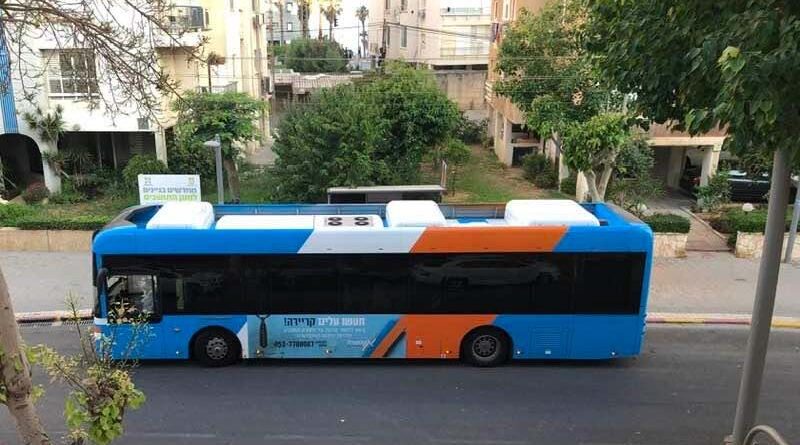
(132, 298)
(553, 278)
(373, 284)
(610, 284)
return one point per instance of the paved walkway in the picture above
(702, 238)
(704, 283)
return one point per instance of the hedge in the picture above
(668, 223)
(47, 222)
(737, 220)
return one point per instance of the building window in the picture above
(289, 26)
(72, 73)
(388, 37)
(403, 5)
(506, 9)
(403, 37)
(289, 7)
(387, 4)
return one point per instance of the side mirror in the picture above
(102, 281)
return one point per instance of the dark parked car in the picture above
(744, 187)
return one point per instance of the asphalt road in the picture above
(682, 390)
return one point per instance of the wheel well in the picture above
(211, 328)
(488, 327)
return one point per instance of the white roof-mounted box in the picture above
(262, 222)
(183, 215)
(414, 214)
(548, 212)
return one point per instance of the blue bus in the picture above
(531, 279)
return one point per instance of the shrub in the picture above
(668, 223)
(535, 164)
(737, 220)
(51, 222)
(36, 192)
(569, 185)
(470, 131)
(141, 165)
(69, 193)
(547, 179)
(314, 56)
(11, 213)
(712, 196)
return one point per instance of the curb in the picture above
(51, 316)
(717, 319)
(653, 318)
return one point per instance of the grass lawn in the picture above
(484, 179)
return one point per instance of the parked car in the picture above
(744, 187)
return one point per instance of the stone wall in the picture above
(466, 88)
(45, 240)
(750, 245)
(669, 245)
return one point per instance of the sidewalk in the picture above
(702, 283)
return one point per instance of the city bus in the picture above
(531, 279)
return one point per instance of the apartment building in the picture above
(674, 152)
(235, 31)
(440, 34)
(283, 22)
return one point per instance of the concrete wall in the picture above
(14, 239)
(464, 87)
(750, 245)
(669, 245)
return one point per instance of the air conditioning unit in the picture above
(143, 123)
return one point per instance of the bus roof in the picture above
(396, 227)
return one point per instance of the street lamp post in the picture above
(216, 145)
(793, 227)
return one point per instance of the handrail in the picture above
(764, 429)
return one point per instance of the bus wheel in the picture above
(216, 347)
(485, 347)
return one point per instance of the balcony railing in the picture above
(186, 19)
(465, 11)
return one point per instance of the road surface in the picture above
(682, 390)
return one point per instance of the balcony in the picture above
(465, 11)
(184, 25)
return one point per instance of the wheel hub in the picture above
(485, 346)
(217, 348)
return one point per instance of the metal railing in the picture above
(186, 18)
(465, 11)
(764, 430)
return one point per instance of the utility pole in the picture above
(793, 227)
(764, 304)
(280, 17)
(319, 28)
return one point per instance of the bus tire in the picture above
(485, 347)
(216, 347)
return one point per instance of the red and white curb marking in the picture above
(653, 318)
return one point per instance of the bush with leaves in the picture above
(535, 164)
(12, 212)
(632, 185)
(314, 56)
(471, 131)
(456, 153)
(35, 193)
(69, 194)
(714, 195)
(569, 185)
(141, 165)
(668, 223)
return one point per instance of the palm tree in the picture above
(331, 11)
(362, 13)
(303, 13)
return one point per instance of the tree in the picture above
(120, 53)
(303, 14)
(362, 13)
(233, 116)
(700, 65)
(549, 74)
(331, 11)
(315, 56)
(373, 132)
(633, 185)
(592, 148)
(101, 389)
(327, 142)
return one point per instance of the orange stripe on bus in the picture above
(488, 239)
(431, 336)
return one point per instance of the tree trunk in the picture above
(16, 375)
(233, 178)
(280, 19)
(603, 185)
(591, 182)
(330, 28)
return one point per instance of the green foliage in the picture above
(36, 192)
(470, 131)
(704, 65)
(48, 125)
(633, 184)
(11, 213)
(549, 74)
(314, 56)
(69, 194)
(592, 147)
(536, 164)
(56, 222)
(569, 185)
(735, 220)
(141, 165)
(329, 142)
(456, 153)
(712, 196)
(375, 132)
(232, 116)
(194, 159)
(668, 223)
